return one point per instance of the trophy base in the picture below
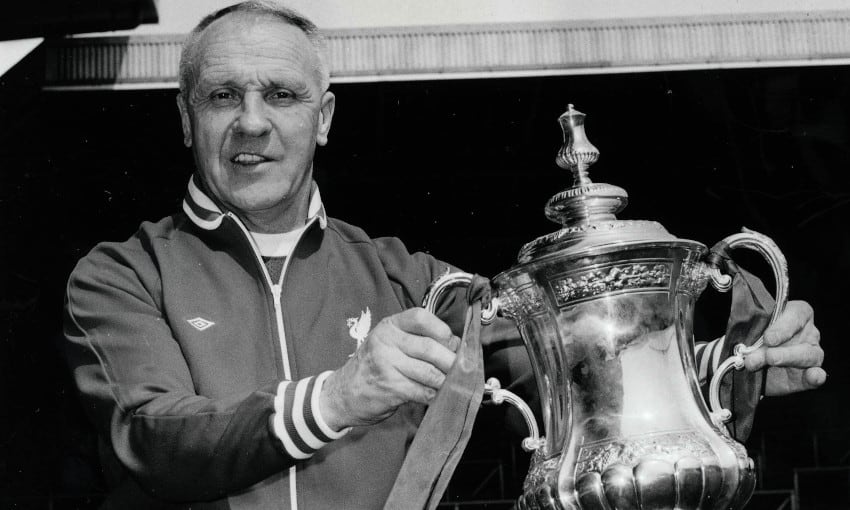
(665, 470)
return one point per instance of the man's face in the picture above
(255, 115)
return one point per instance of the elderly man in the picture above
(250, 352)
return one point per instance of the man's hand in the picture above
(405, 358)
(791, 351)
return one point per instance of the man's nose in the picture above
(252, 119)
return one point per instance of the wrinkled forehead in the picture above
(244, 45)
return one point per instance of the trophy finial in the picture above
(585, 202)
(577, 153)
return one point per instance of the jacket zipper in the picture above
(277, 290)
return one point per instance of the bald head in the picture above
(268, 9)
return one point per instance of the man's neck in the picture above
(275, 222)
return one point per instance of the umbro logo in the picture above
(200, 323)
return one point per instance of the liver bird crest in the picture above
(359, 328)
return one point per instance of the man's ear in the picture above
(185, 120)
(326, 113)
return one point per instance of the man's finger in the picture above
(803, 355)
(810, 334)
(421, 373)
(405, 389)
(418, 321)
(796, 316)
(427, 350)
(814, 377)
(795, 356)
(452, 344)
(755, 360)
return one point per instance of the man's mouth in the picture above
(248, 158)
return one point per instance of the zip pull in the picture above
(276, 292)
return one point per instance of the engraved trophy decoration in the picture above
(605, 309)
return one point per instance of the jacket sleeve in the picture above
(410, 275)
(137, 388)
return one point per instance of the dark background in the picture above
(461, 169)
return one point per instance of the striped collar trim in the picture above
(208, 215)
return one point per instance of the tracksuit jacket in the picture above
(202, 375)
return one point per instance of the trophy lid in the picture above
(587, 210)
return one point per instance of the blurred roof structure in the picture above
(494, 50)
(136, 43)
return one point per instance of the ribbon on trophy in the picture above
(447, 424)
(751, 309)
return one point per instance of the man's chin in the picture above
(257, 195)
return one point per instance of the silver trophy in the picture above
(605, 309)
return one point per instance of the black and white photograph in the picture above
(461, 255)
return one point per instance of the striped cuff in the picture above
(297, 421)
(707, 358)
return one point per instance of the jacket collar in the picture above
(206, 214)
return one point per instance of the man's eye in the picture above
(223, 97)
(281, 96)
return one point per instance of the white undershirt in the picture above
(277, 245)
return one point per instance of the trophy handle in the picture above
(498, 396)
(448, 280)
(722, 282)
(492, 387)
